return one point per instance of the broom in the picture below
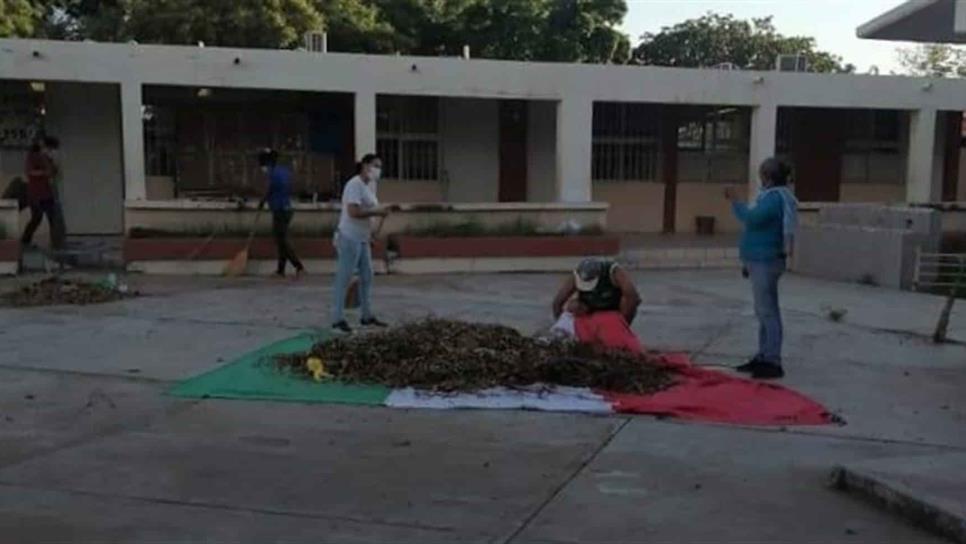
(239, 263)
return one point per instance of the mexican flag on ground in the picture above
(699, 394)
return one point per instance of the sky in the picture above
(831, 22)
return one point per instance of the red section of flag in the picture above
(701, 394)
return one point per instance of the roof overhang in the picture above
(933, 21)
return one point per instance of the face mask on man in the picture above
(375, 173)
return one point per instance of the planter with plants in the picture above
(200, 251)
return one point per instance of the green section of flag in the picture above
(254, 377)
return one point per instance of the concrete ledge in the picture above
(515, 247)
(216, 267)
(182, 249)
(463, 265)
(928, 490)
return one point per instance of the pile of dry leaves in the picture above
(444, 355)
(55, 290)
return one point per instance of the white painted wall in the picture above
(86, 118)
(436, 76)
(469, 142)
(541, 151)
(572, 87)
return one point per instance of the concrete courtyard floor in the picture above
(91, 451)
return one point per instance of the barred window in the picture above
(873, 148)
(625, 142)
(713, 145)
(407, 137)
(714, 131)
(160, 141)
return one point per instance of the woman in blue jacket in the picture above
(769, 230)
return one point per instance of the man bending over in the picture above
(600, 285)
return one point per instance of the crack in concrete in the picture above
(132, 378)
(239, 509)
(566, 482)
(136, 423)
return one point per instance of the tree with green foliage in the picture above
(355, 26)
(933, 60)
(715, 39)
(20, 18)
(235, 23)
(544, 30)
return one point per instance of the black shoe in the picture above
(373, 322)
(750, 366)
(342, 326)
(767, 371)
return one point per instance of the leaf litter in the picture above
(56, 291)
(453, 356)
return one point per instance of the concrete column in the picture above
(924, 157)
(364, 120)
(761, 144)
(575, 121)
(132, 132)
(959, 23)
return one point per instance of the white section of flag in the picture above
(542, 398)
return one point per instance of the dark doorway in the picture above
(513, 151)
(953, 138)
(818, 139)
(669, 166)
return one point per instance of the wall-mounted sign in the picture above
(21, 118)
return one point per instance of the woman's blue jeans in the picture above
(764, 277)
(352, 257)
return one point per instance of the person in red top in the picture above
(40, 193)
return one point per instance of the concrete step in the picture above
(689, 257)
(928, 490)
(96, 254)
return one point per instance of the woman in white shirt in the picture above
(352, 242)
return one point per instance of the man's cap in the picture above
(588, 273)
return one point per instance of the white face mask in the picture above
(375, 173)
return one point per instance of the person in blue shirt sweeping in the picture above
(769, 231)
(278, 196)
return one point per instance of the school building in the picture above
(174, 130)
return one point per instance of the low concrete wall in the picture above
(201, 216)
(854, 254)
(634, 206)
(410, 191)
(885, 193)
(866, 243)
(694, 199)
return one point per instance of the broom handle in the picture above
(251, 233)
(382, 221)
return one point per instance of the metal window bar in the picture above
(939, 270)
(408, 137)
(625, 142)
